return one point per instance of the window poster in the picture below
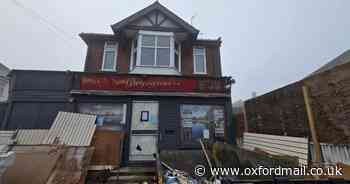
(218, 120)
(144, 115)
(109, 116)
(197, 120)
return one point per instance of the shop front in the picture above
(156, 112)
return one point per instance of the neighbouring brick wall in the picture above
(330, 94)
(239, 120)
(282, 112)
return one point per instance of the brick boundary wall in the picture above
(282, 111)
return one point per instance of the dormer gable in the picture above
(155, 17)
(153, 41)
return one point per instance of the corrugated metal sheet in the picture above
(73, 129)
(31, 136)
(278, 145)
(332, 153)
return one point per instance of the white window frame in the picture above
(195, 62)
(178, 55)
(155, 33)
(133, 50)
(115, 49)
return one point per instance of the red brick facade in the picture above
(94, 57)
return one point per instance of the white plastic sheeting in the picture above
(332, 153)
(72, 129)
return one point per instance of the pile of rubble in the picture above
(61, 154)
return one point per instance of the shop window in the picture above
(201, 121)
(109, 116)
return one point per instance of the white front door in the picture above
(144, 130)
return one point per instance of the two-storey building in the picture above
(153, 79)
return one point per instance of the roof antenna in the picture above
(192, 18)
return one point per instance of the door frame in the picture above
(143, 132)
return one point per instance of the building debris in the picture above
(71, 166)
(6, 160)
(73, 129)
(33, 164)
(6, 139)
(108, 149)
(278, 145)
(31, 136)
(59, 155)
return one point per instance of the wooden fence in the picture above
(278, 145)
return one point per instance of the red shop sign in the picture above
(140, 83)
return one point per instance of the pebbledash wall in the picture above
(282, 111)
(37, 96)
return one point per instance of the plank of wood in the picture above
(317, 147)
(205, 153)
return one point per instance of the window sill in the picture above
(155, 70)
(200, 73)
(152, 66)
(108, 70)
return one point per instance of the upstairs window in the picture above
(110, 56)
(199, 61)
(156, 49)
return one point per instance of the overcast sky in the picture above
(266, 43)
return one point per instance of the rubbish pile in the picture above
(59, 155)
(174, 176)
